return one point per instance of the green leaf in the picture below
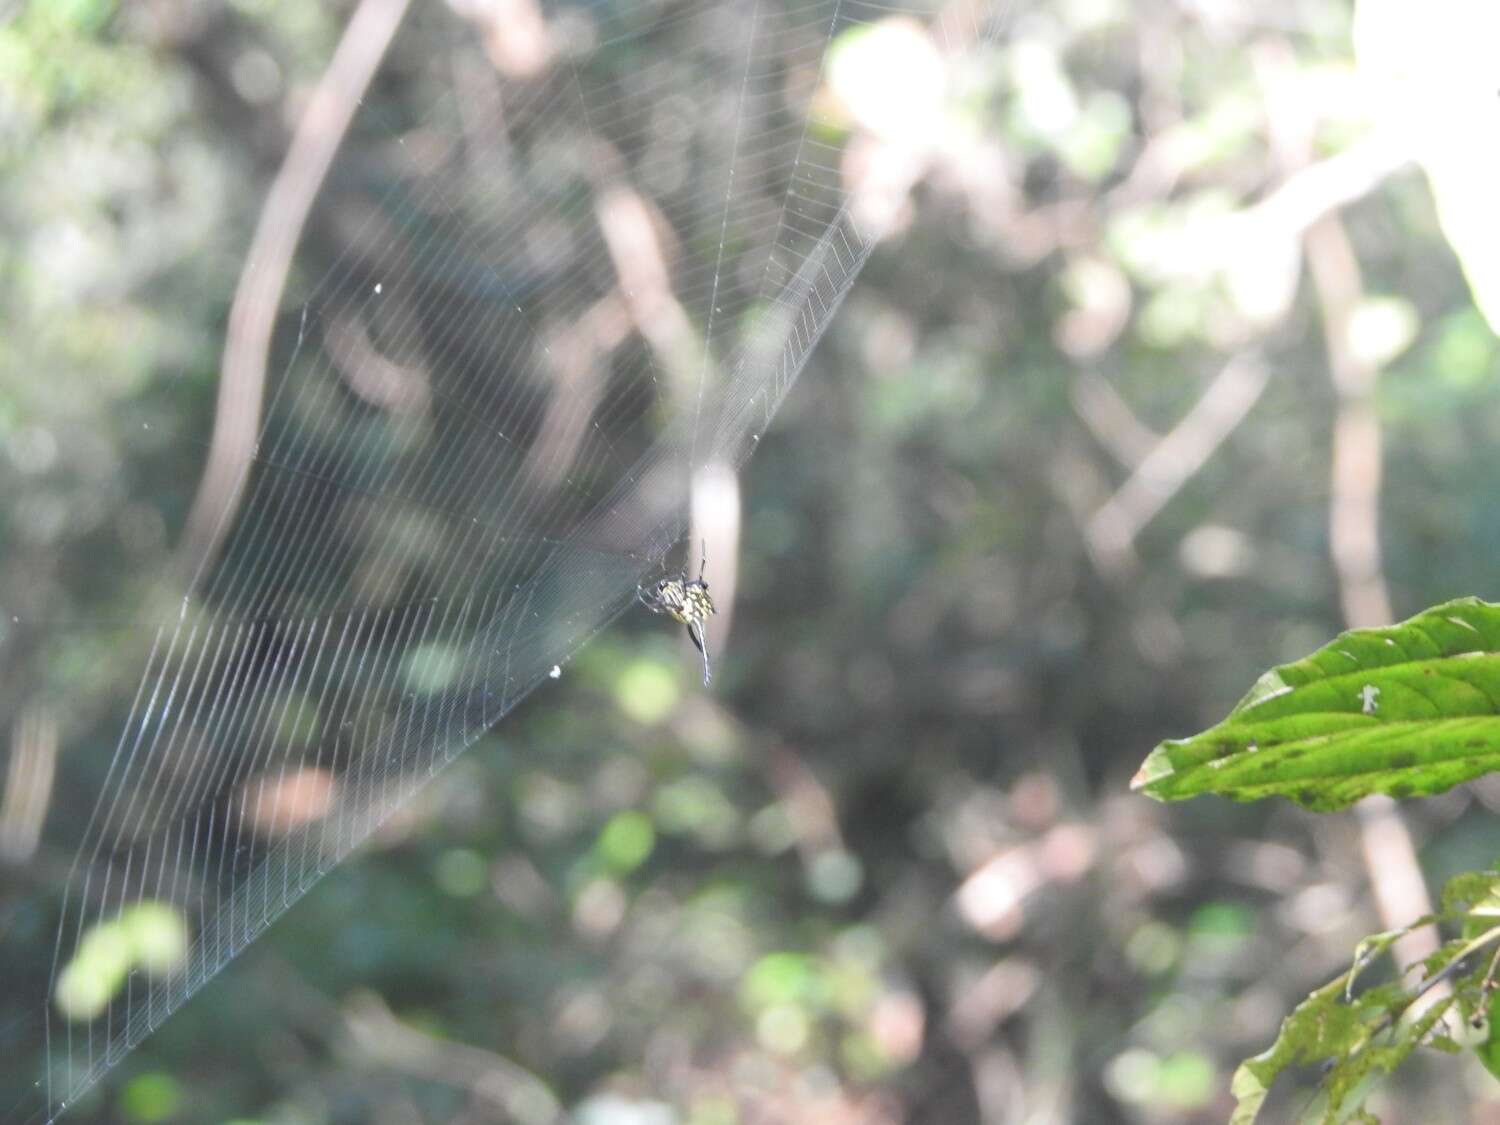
(1465, 891)
(1362, 1040)
(1488, 1050)
(1359, 1039)
(1409, 710)
(1321, 1027)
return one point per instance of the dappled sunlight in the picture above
(1025, 385)
(149, 937)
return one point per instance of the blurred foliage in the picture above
(890, 869)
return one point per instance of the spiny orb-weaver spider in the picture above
(686, 602)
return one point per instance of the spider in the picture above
(685, 602)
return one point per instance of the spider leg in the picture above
(703, 562)
(700, 642)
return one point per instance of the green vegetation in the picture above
(1406, 711)
(1141, 397)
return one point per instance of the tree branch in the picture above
(257, 299)
(1354, 544)
(1175, 459)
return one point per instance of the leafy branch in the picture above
(1409, 710)
(1360, 1038)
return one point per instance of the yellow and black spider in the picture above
(685, 602)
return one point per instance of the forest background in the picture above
(1187, 363)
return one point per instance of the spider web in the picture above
(590, 280)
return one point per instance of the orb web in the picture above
(519, 322)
